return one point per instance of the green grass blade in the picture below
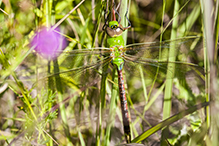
(112, 108)
(143, 84)
(171, 67)
(168, 121)
(209, 32)
(124, 22)
(207, 75)
(81, 137)
(58, 84)
(168, 89)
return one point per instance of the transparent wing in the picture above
(74, 67)
(151, 62)
(158, 51)
(155, 57)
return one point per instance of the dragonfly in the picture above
(145, 55)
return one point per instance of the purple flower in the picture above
(48, 43)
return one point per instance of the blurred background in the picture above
(55, 102)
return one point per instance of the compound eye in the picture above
(114, 26)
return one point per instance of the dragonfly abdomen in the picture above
(124, 106)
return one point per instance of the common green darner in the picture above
(134, 56)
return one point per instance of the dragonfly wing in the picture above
(73, 67)
(150, 62)
(153, 68)
(156, 55)
(159, 51)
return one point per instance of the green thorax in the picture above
(115, 42)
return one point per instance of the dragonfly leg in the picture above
(129, 23)
(121, 50)
(112, 54)
(119, 19)
(106, 20)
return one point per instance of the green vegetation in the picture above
(74, 99)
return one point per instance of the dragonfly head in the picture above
(113, 24)
(114, 29)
